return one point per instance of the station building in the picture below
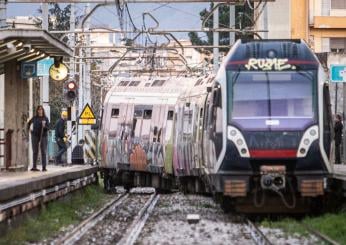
(20, 43)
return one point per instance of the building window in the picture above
(338, 45)
(338, 4)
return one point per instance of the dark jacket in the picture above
(338, 132)
(37, 130)
(60, 129)
(78, 154)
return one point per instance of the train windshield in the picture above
(272, 100)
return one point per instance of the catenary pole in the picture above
(216, 39)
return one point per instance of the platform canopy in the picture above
(28, 45)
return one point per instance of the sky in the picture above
(170, 16)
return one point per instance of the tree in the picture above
(58, 19)
(244, 20)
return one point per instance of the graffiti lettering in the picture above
(269, 64)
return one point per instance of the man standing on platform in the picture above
(338, 127)
(60, 137)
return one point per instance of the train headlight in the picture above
(313, 132)
(243, 151)
(302, 150)
(240, 141)
(306, 142)
(233, 132)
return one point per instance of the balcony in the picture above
(330, 22)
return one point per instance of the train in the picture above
(257, 135)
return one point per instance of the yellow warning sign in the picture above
(87, 117)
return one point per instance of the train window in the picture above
(170, 115)
(158, 83)
(115, 112)
(134, 83)
(147, 114)
(138, 113)
(123, 83)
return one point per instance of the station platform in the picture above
(21, 191)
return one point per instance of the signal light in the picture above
(71, 90)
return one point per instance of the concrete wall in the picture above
(16, 113)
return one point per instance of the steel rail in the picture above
(256, 234)
(138, 223)
(320, 236)
(90, 222)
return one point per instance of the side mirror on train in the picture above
(209, 89)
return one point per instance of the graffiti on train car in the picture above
(138, 151)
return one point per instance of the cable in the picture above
(130, 17)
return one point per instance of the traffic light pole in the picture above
(71, 123)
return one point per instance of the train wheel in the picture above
(155, 181)
(191, 186)
(226, 204)
(137, 179)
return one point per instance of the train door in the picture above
(169, 131)
(206, 158)
(199, 131)
(327, 122)
(157, 127)
(140, 136)
(126, 138)
(178, 139)
(187, 135)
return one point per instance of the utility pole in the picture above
(84, 77)
(265, 21)
(71, 124)
(3, 13)
(216, 39)
(231, 24)
(44, 80)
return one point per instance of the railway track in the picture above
(260, 238)
(87, 231)
(256, 234)
(323, 238)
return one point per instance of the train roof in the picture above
(272, 48)
(170, 87)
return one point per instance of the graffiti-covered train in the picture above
(258, 135)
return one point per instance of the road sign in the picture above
(43, 66)
(338, 73)
(87, 117)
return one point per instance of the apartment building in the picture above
(322, 23)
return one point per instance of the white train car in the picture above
(137, 130)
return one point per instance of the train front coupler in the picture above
(273, 177)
